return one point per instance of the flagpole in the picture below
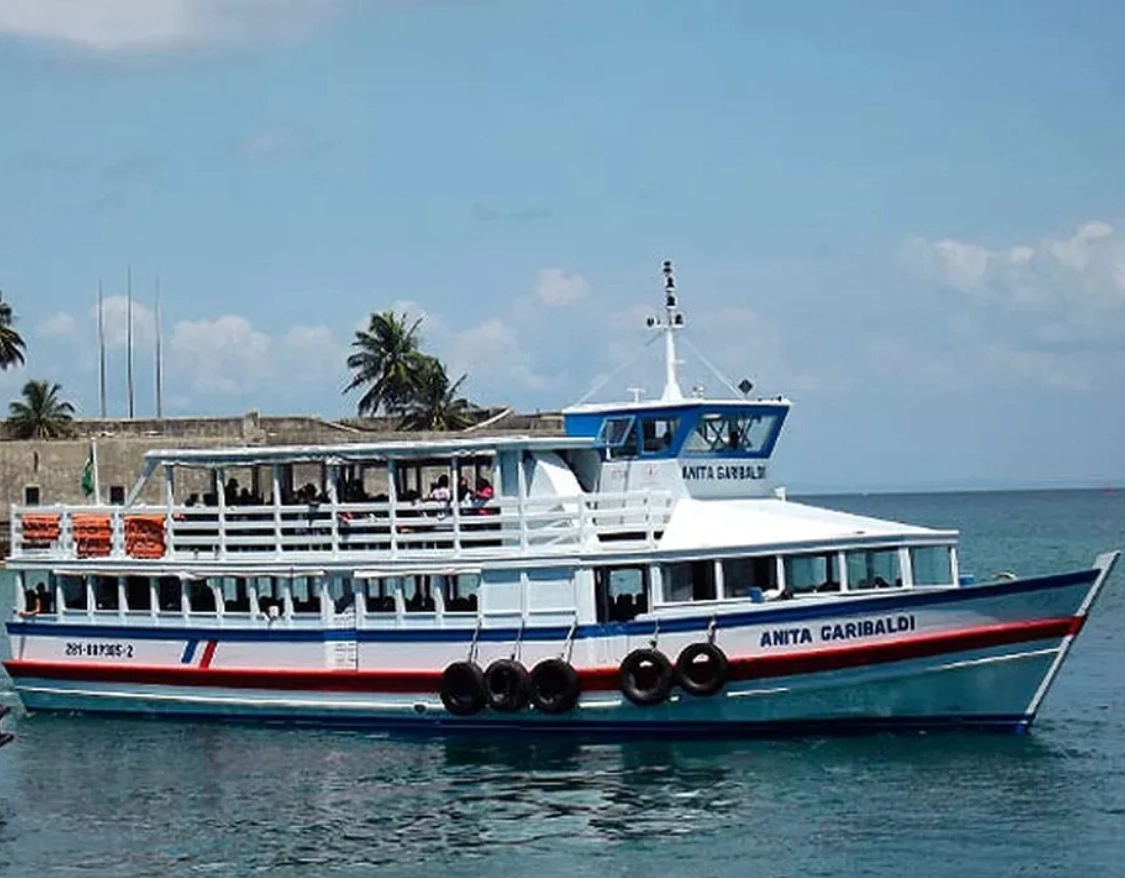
(159, 363)
(129, 335)
(101, 347)
(97, 481)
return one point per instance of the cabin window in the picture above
(809, 574)
(236, 595)
(622, 592)
(657, 433)
(271, 594)
(379, 596)
(461, 591)
(117, 495)
(689, 581)
(105, 592)
(742, 575)
(932, 565)
(416, 593)
(168, 594)
(341, 593)
(306, 595)
(725, 433)
(873, 568)
(73, 592)
(31, 495)
(201, 597)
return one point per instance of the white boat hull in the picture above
(980, 656)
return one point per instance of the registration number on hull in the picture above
(98, 649)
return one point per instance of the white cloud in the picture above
(556, 288)
(132, 25)
(1042, 314)
(1083, 269)
(313, 352)
(116, 311)
(60, 325)
(224, 356)
(490, 353)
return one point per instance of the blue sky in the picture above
(907, 217)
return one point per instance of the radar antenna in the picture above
(671, 321)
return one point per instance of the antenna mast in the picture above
(672, 321)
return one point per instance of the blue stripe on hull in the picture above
(790, 611)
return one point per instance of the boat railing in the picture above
(506, 526)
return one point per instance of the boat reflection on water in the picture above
(5, 737)
(270, 798)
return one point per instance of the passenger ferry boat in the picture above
(636, 572)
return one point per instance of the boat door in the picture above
(341, 650)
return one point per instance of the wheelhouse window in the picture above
(689, 581)
(873, 568)
(931, 565)
(742, 576)
(618, 437)
(724, 433)
(621, 592)
(811, 574)
(657, 433)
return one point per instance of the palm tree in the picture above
(386, 362)
(11, 343)
(41, 414)
(436, 405)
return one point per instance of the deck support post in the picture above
(275, 491)
(392, 499)
(332, 488)
(221, 498)
(521, 498)
(455, 493)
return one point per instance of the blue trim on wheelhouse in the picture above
(688, 416)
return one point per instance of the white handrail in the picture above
(508, 524)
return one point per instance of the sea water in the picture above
(102, 797)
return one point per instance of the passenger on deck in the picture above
(483, 495)
(30, 603)
(439, 490)
(46, 605)
(464, 492)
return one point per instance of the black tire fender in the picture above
(646, 676)
(554, 686)
(507, 685)
(462, 688)
(702, 669)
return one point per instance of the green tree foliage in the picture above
(41, 414)
(436, 405)
(12, 346)
(396, 378)
(387, 363)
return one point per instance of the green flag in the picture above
(88, 474)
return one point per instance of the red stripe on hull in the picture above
(208, 654)
(592, 679)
